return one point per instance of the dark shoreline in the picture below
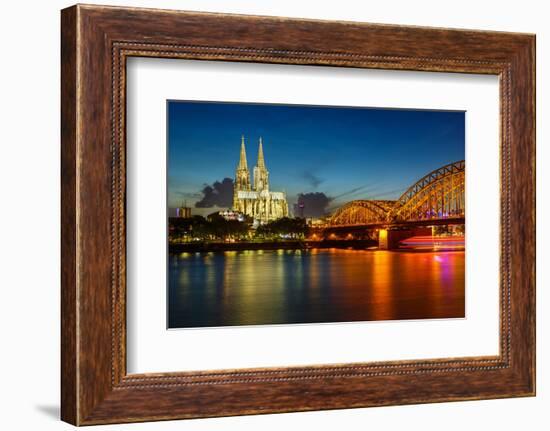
(279, 245)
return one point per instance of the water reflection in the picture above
(295, 286)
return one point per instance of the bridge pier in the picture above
(389, 239)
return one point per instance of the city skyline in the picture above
(335, 154)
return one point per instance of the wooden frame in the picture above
(96, 41)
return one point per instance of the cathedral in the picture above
(257, 201)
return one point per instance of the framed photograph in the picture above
(264, 215)
(243, 251)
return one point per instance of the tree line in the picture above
(216, 227)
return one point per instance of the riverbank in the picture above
(273, 245)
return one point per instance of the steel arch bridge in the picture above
(436, 196)
(362, 212)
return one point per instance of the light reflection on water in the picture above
(324, 285)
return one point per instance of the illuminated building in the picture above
(256, 200)
(183, 212)
(228, 215)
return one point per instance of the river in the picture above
(311, 286)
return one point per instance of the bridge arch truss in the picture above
(437, 195)
(362, 212)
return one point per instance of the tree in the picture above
(294, 227)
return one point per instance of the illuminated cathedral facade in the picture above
(256, 200)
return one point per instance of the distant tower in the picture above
(184, 211)
(261, 175)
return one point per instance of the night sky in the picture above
(345, 153)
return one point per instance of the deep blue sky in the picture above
(346, 153)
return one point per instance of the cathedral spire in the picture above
(242, 161)
(261, 175)
(261, 161)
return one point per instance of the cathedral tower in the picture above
(257, 202)
(261, 175)
(242, 175)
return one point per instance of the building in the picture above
(256, 200)
(183, 212)
(228, 215)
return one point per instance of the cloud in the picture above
(188, 195)
(352, 191)
(219, 194)
(313, 180)
(390, 194)
(311, 204)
